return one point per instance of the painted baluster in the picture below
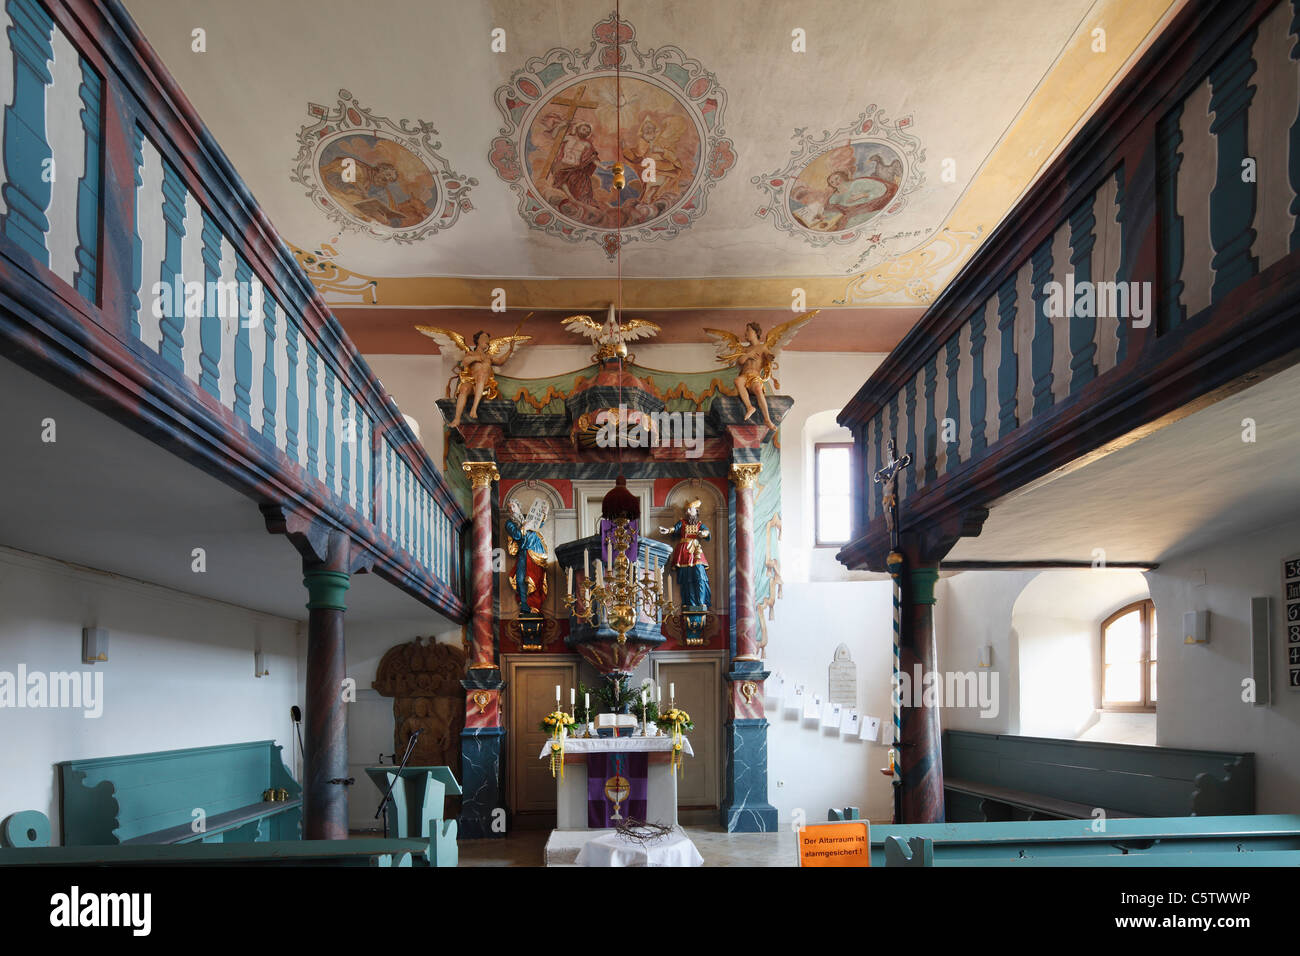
(1083, 328)
(931, 438)
(952, 366)
(313, 420)
(909, 393)
(1232, 201)
(137, 243)
(329, 415)
(349, 445)
(1008, 372)
(1169, 136)
(27, 153)
(1041, 353)
(1127, 257)
(172, 323)
(269, 385)
(243, 351)
(977, 388)
(878, 491)
(87, 255)
(210, 324)
(292, 411)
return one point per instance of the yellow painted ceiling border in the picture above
(1078, 77)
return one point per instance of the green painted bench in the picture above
(365, 852)
(1004, 777)
(198, 795)
(1236, 840)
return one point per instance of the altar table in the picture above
(608, 780)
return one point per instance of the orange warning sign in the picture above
(835, 844)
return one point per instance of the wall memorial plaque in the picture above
(1291, 619)
(843, 678)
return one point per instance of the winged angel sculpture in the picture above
(611, 336)
(474, 370)
(754, 356)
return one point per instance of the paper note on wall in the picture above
(774, 691)
(852, 723)
(794, 703)
(831, 714)
(871, 728)
(812, 709)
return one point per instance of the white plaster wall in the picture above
(1058, 674)
(179, 673)
(813, 769)
(1200, 685)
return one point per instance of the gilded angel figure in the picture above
(754, 356)
(474, 370)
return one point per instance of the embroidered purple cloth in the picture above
(616, 788)
(607, 551)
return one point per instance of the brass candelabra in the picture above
(621, 591)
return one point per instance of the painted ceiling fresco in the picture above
(433, 151)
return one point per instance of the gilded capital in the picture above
(744, 473)
(481, 473)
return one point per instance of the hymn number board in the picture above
(1291, 617)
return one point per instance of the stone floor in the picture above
(719, 848)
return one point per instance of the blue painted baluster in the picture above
(210, 323)
(1041, 347)
(978, 398)
(1083, 328)
(292, 409)
(243, 347)
(1008, 372)
(952, 358)
(27, 152)
(877, 492)
(87, 255)
(931, 427)
(313, 422)
(329, 429)
(1232, 202)
(910, 447)
(1127, 256)
(269, 385)
(137, 244)
(172, 323)
(349, 439)
(1293, 158)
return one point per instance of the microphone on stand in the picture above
(295, 714)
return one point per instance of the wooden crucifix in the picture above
(574, 103)
(887, 477)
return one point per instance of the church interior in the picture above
(649, 433)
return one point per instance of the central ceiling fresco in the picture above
(431, 152)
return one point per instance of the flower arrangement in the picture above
(556, 720)
(674, 721)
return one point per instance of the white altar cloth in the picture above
(625, 745)
(571, 789)
(614, 849)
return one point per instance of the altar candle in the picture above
(586, 571)
(573, 696)
(645, 697)
(557, 696)
(672, 692)
(659, 693)
(586, 702)
(570, 592)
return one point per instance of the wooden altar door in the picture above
(698, 676)
(530, 695)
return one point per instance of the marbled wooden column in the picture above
(483, 811)
(922, 762)
(325, 757)
(744, 806)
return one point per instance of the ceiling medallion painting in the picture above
(371, 175)
(569, 119)
(838, 184)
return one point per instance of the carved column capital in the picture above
(743, 474)
(481, 473)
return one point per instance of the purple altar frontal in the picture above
(609, 780)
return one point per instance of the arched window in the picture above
(832, 493)
(1128, 659)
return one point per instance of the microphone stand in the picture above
(388, 794)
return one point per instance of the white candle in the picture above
(586, 701)
(570, 591)
(557, 696)
(672, 691)
(586, 570)
(659, 693)
(573, 696)
(644, 698)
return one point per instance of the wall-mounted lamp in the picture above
(986, 655)
(259, 665)
(94, 645)
(1196, 627)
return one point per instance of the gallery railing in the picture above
(1156, 261)
(138, 271)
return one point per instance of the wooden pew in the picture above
(365, 852)
(152, 798)
(1237, 840)
(1004, 777)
